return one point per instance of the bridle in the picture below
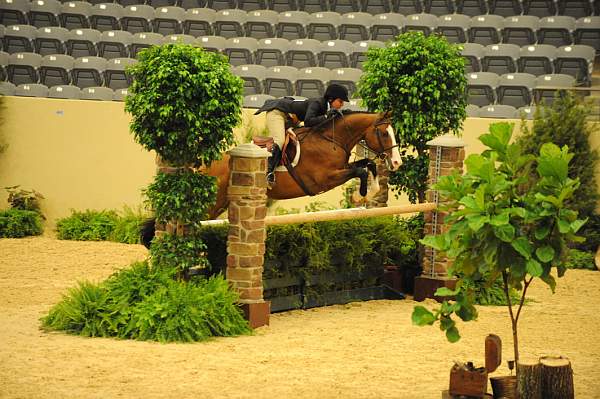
(382, 153)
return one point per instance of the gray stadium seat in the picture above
(527, 112)
(51, 40)
(359, 52)
(180, 39)
(283, 5)
(556, 30)
(575, 8)
(355, 26)
(311, 81)
(387, 26)
(537, 59)
(426, 23)
(335, 53)
(546, 86)
(407, 7)
(256, 100)
(539, 8)
(439, 7)
(252, 5)
(253, 75)
(486, 29)
(481, 88)
(454, 27)
(97, 93)
(106, 16)
(292, 24)
(587, 31)
(471, 8)
(120, 94)
(44, 13)
(114, 74)
(65, 91)
(347, 77)
(7, 89)
(162, 3)
(516, 89)
(114, 44)
(500, 58)
(241, 50)
(262, 24)
(55, 69)
(23, 68)
(497, 111)
(31, 90)
(4, 57)
(280, 81)
(82, 42)
(520, 29)
(324, 25)
(473, 54)
(506, 8)
(375, 7)
(13, 12)
(168, 20)
(313, 5)
(345, 6)
(88, 71)
(271, 51)
(137, 18)
(75, 15)
(303, 53)
(576, 60)
(221, 4)
(144, 40)
(230, 23)
(199, 21)
(19, 38)
(472, 111)
(212, 43)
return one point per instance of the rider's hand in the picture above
(333, 112)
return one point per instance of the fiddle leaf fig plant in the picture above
(503, 225)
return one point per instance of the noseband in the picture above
(381, 154)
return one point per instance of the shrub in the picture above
(127, 227)
(26, 200)
(580, 260)
(87, 225)
(17, 223)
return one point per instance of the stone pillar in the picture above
(446, 154)
(247, 194)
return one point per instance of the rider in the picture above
(282, 112)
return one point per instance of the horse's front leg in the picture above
(341, 176)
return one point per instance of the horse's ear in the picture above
(387, 114)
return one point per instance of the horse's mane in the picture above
(327, 123)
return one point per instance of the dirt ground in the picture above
(361, 350)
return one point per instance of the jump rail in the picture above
(337, 214)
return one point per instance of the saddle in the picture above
(290, 153)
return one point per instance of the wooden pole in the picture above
(337, 214)
(529, 379)
(557, 378)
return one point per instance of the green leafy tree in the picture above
(421, 80)
(504, 226)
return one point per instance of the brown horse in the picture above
(324, 160)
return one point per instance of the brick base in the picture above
(257, 313)
(425, 287)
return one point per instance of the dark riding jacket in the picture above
(311, 111)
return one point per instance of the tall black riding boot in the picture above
(273, 161)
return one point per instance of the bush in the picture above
(127, 228)
(17, 223)
(87, 226)
(148, 304)
(580, 260)
(26, 200)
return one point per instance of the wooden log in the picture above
(493, 352)
(557, 378)
(529, 379)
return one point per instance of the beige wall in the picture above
(80, 155)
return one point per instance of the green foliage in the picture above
(421, 80)
(26, 200)
(490, 293)
(127, 226)
(88, 225)
(565, 123)
(591, 232)
(577, 259)
(180, 253)
(503, 225)
(147, 304)
(184, 103)
(17, 223)
(184, 196)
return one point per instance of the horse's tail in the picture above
(147, 231)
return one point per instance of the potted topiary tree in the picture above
(504, 224)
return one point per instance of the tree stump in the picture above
(557, 378)
(529, 379)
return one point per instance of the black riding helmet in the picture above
(336, 91)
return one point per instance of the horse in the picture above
(324, 161)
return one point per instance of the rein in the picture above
(381, 154)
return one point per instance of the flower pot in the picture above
(504, 387)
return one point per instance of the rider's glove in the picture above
(333, 112)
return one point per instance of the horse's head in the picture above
(381, 139)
